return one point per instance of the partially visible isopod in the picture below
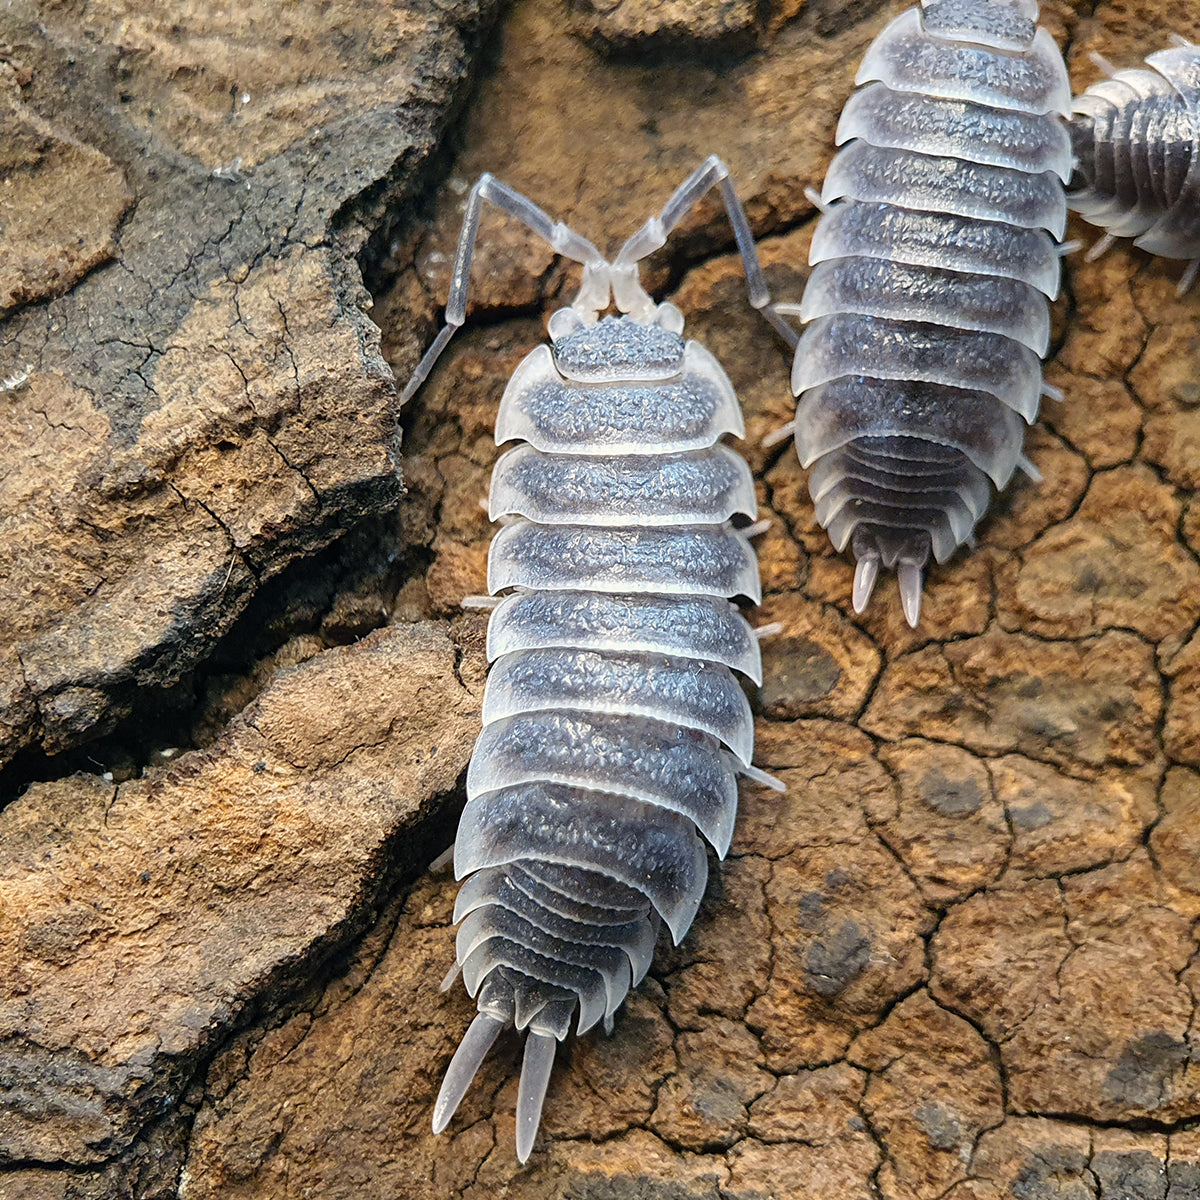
(1136, 136)
(933, 264)
(614, 728)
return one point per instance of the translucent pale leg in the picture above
(757, 775)
(711, 173)
(1189, 277)
(814, 198)
(443, 860)
(468, 1058)
(1101, 247)
(480, 601)
(561, 237)
(779, 435)
(531, 1092)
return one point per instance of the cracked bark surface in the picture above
(186, 195)
(955, 961)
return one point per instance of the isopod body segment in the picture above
(614, 725)
(933, 262)
(1136, 137)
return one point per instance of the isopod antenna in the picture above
(600, 277)
(653, 235)
(562, 238)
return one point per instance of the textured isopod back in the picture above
(933, 265)
(614, 728)
(614, 724)
(1136, 137)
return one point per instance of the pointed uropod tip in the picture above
(468, 1058)
(531, 1091)
(866, 571)
(909, 577)
(441, 1117)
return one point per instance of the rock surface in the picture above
(145, 920)
(955, 960)
(208, 402)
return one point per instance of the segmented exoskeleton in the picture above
(1136, 137)
(614, 726)
(933, 264)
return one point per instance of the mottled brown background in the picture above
(956, 961)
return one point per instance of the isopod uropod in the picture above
(933, 264)
(614, 728)
(1136, 137)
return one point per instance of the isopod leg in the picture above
(756, 775)
(561, 237)
(711, 173)
(443, 860)
(778, 435)
(1102, 246)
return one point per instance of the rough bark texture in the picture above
(955, 961)
(208, 401)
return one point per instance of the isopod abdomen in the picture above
(1136, 137)
(614, 725)
(934, 262)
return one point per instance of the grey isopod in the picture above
(1136, 137)
(933, 264)
(614, 728)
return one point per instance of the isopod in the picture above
(614, 727)
(933, 263)
(1136, 137)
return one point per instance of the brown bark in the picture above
(955, 960)
(205, 400)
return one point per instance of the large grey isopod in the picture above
(614, 728)
(933, 264)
